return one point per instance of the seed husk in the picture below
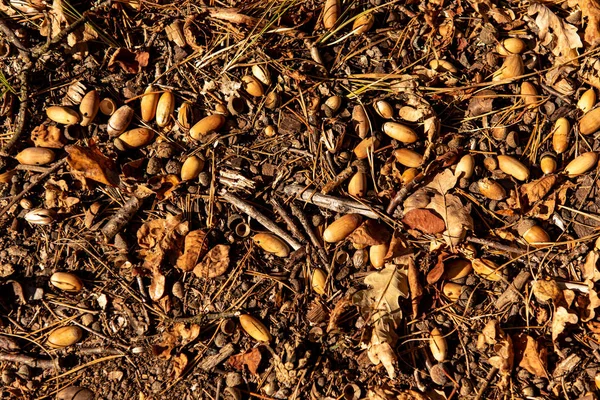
(399, 132)
(164, 109)
(66, 281)
(138, 137)
(511, 68)
(358, 184)
(89, 106)
(363, 23)
(582, 164)
(148, 103)
(35, 156)
(377, 254)
(465, 167)
(185, 115)
(491, 189)
(319, 280)
(108, 106)
(368, 144)
(63, 115)
(408, 158)
(207, 125)
(511, 46)
(587, 101)
(438, 345)
(40, 216)
(560, 135)
(331, 13)
(254, 328)
(271, 244)
(513, 167)
(252, 86)
(339, 229)
(64, 336)
(261, 72)
(119, 121)
(590, 122)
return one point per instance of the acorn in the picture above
(384, 109)
(164, 109)
(148, 103)
(108, 106)
(89, 106)
(452, 290)
(252, 86)
(532, 233)
(63, 115)
(590, 122)
(511, 46)
(359, 116)
(513, 167)
(582, 164)
(134, 138)
(357, 186)
(400, 132)
(185, 115)
(465, 167)
(272, 100)
(408, 158)
(319, 281)
(365, 146)
(40, 216)
(66, 281)
(254, 328)
(331, 13)
(530, 95)
(333, 104)
(75, 393)
(64, 336)
(339, 229)
(119, 121)
(457, 268)
(271, 244)
(587, 101)
(261, 72)
(408, 175)
(35, 156)
(548, 163)
(443, 66)
(511, 68)
(26, 204)
(377, 254)
(438, 345)
(491, 189)
(270, 131)
(363, 23)
(560, 135)
(207, 125)
(487, 269)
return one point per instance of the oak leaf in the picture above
(251, 359)
(387, 286)
(161, 238)
(370, 233)
(129, 61)
(591, 12)
(424, 221)
(589, 270)
(214, 263)
(531, 355)
(383, 338)
(560, 36)
(561, 318)
(547, 290)
(179, 362)
(47, 136)
(90, 163)
(456, 216)
(536, 190)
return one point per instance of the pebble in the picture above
(173, 167)
(154, 166)
(466, 387)
(233, 379)
(438, 375)
(165, 150)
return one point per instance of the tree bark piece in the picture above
(121, 218)
(30, 361)
(513, 293)
(211, 362)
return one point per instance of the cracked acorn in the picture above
(66, 281)
(254, 328)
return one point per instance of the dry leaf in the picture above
(536, 190)
(561, 318)
(130, 62)
(90, 163)
(443, 182)
(196, 246)
(163, 185)
(179, 334)
(380, 348)
(531, 355)
(424, 220)
(47, 136)
(215, 262)
(560, 36)
(370, 233)
(591, 12)
(57, 195)
(437, 271)
(161, 238)
(547, 290)
(387, 285)
(457, 217)
(251, 359)
(398, 246)
(482, 102)
(416, 290)
(503, 360)
(180, 362)
(587, 303)
(56, 20)
(589, 270)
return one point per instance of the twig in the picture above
(495, 245)
(288, 220)
(513, 293)
(486, 383)
(260, 217)
(30, 361)
(330, 202)
(339, 179)
(30, 186)
(210, 362)
(311, 234)
(121, 218)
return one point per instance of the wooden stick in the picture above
(121, 218)
(311, 234)
(30, 361)
(513, 293)
(288, 220)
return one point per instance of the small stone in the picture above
(204, 178)
(154, 166)
(438, 375)
(87, 319)
(165, 150)
(173, 167)
(233, 379)
(466, 387)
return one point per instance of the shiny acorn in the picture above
(511, 68)
(384, 109)
(399, 132)
(530, 95)
(254, 328)
(438, 345)
(164, 109)
(191, 168)
(487, 269)
(361, 121)
(590, 122)
(452, 290)
(332, 105)
(35, 156)
(357, 186)
(272, 244)
(408, 175)
(457, 268)
(587, 101)
(582, 164)
(185, 115)
(63, 115)
(377, 254)
(465, 167)
(89, 106)
(363, 23)
(408, 158)
(252, 86)
(365, 146)
(119, 121)
(272, 100)
(64, 336)
(135, 138)
(548, 163)
(339, 229)
(207, 125)
(491, 189)
(532, 233)
(511, 46)
(66, 281)
(560, 135)
(148, 103)
(319, 281)
(513, 167)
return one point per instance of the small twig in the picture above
(208, 317)
(513, 293)
(30, 186)
(337, 204)
(486, 383)
(339, 179)
(260, 217)
(495, 245)
(30, 361)
(210, 362)
(288, 220)
(311, 234)
(121, 218)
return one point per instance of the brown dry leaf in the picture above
(504, 358)
(163, 185)
(561, 318)
(186, 334)
(370, 233)
(387, 285)
(482, 102)
(456, 216)
(251, 359)
(57, 195)
(531, 355)
(180, 362)
(547, 290)
(419, 199)
(589, 271)
(47, 136)
(160, 239)
(170, 339)
(587, 303)
(536, 190)
(398, 246)
(560, 36)
(424, 220)
(90, 163)
(543, 209)
(196, 246)
(488, 335)
(130, 62)
(381, 348)
(591, 12)
(215, 262)
(56, 20)
(338, 311)
(414, 284)
(437, 271)
(443, 182)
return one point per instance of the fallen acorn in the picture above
(40, 216)
(399, 132)
(361, 121)
(318, 281)
(66, 281)
(511, 68)
(119, 121)
(331, 13)
(443, 66)
(438, 345)
(270, 131)
(108, 106)
(587, 101)
(465, 167)
(530, 95)
(148, 103)
(365, 146)
(191, 168)
(590, 122)
(384, 109)
(332, 104)
(513, 167)
(357, 186)
(185, 115)
(63, 115)
(408, 175)
(363, 23)
(164, 109)
(75, 393)
(272, 100)
(339, 229)
(252, 86)
(26, 204)
(511, 46)
(560, 135)
(532, 233)
(548, 163)
(491, 189)
(271, 244)
(452, 290)
(487, 269)
(457, 268)
(35, 156)
(89, 106)
(377, 255)
(581, 164)
(135, 138)
(207, 125)
(255, 328)
(408, 158)
(64, 336)
(261, 72)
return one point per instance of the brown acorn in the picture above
(457, 268)
(491, 189)
(207, 125)
(135, 138)
(271, 244)
(560, 135)
(511, 46)
(164, 109)
(408, 158)
(465, 167)
(64, 336)
(582, 164)
(361, 121)
(532, 233)
(272, 100)
(365, 146)
(252, 86)
(191, 168)
(511, 68)
(119, 121)
(357, 186)
(331, 13)
(487, 269)
(89, 106)
(319, 281)
(63, 115)
(548, 163)
(384, 109)
(185, 115)
(590, 122)
(530, 95)
(438, 345)
(587, 101)
(35, 156)
(333, 104)
(66, 281)
(148, 103)
(261, 72)
(443, 66)
(339, 229)
(254, 328)
(452, 290)
(513, 167)
(363, 23)
(408, 175)
(377, 254)
(399, 132)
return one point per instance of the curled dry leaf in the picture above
(161, 238)
(398, 247)
(547, 290)
(536, 190)
(47, 136)
(381, 348)
(370, 233)
(591, 12)
(531, 354)
(424, 220)
(589, 270)
(437, 271)
(504, 358)
(90, 163)
(196, 246)
(130, 62)
(179, 363)
(251, 359)
(587, 303)
(482, 102)
(215, 262)
(560, 36)
(561, 318)
(163, 185)
(178, 335)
